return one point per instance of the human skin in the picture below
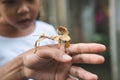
(52, 63)
(18, 16)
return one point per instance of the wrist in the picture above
(14, 70)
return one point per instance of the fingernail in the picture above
(67, 57)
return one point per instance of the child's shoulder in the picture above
(43, 24)
(45, 27)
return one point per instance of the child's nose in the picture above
(23, 9)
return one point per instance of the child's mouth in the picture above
(24, 22)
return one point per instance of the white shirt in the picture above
(12, 47)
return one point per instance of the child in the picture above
(18, 26)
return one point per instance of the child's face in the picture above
(19, 13)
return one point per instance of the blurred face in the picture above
(19, 13)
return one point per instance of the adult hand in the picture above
(52, 63)
(86, 54)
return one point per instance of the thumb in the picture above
(44, 55)
(53, 53)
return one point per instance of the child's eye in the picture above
(8, 1)
(30, 0)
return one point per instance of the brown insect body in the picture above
(62, 38)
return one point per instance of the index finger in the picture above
(86, 48)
